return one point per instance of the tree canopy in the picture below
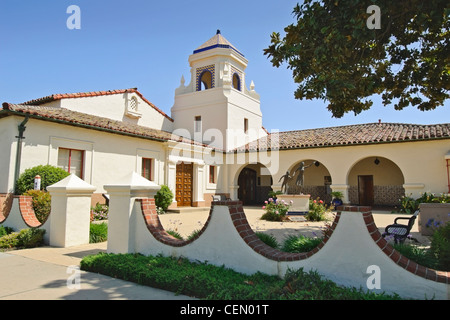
(338, 54)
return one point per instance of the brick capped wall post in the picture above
(71, 210)
(121, 216)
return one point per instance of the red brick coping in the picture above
(402, 261)
(27, 211)
(248, 235)
(25, 207)
(6, 201)
(157, 230)
(240, 222)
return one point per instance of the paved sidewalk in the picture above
(49, 273)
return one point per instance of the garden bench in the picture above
(401, 231)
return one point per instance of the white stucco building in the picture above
(214, 142)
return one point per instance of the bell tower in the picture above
(216, 107)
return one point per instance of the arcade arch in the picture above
(375, 181)
(316, 180)
(205, 80)
(254, 182)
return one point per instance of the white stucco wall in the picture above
(105, 156)
(8, 147)
(210, 105)
(114, 107)
(422, 163)
(222, 108)
(346, 258)
(222, 113)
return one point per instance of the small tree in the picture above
(336, 56)
(49, 175)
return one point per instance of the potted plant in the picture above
(337, 198)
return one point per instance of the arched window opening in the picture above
(236, 82)
(205, 80)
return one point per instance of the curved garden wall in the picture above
(349, 251)
(17, 212)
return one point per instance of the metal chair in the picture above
(401, 231)
(220, 197)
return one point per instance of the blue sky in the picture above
(146, 44)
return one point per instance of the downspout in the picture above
(448, 174)
(20, 137)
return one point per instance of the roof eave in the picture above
(8, 112)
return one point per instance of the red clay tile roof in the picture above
(66, 116)
(370, 133)
(351, 135)
(55, 97)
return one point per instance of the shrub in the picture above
(175, 234)
(300, 244)
(163, 197)
(440, 247)
(99, 212)
(302, 285)
(42, 202)
(409, 205)
(417, 254)
(25, 238)
(268, 239)
(49, 175)
(98, 232)
(437, 256)
(275, 210)
(193, 234)
(317, 210)
(206, 281)
(31, 238)
(9, 241)
(5, 231)
(274, 194)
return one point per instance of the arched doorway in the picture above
(255, 183)
(375, 181)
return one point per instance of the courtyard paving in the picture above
(186, 222)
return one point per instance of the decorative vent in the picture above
(132, 108)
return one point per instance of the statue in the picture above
(301, 170)
(285, 179)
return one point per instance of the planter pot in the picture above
(300, 203)
(337, 202)
(437, 211)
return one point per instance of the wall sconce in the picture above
(377, 161)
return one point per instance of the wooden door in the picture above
(184, 184)
(365, 190)
(247, 186)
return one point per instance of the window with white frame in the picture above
(71, 160)
(147, 168)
